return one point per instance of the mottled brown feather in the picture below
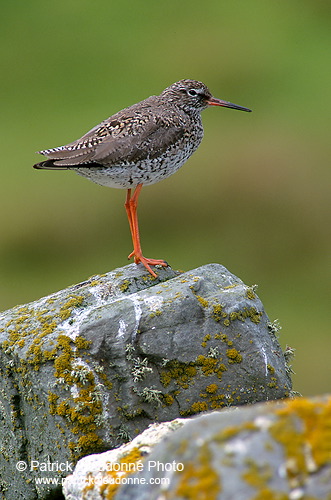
(128, 136)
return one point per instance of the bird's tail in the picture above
(49, 165)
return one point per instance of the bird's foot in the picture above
(147, 262)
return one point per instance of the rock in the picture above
(88, 368)
(93, 473)
(265, 451)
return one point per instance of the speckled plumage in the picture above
(141, 144)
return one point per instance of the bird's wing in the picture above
(125, 137)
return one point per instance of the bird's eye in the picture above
(192, 92)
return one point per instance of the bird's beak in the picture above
(218, 102)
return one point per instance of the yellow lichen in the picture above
(230, 431)
(196, 407)
(247, 312)
(208, 365)
(180, 373)
(199, 479)
(52, 399)
(307, 446)
(82, 343)
(157, 312)
(125, 466)
(258, 476)
(81, 410)
(212, 388)
(273, 383)
(66, 309)
(125, 285)
(205, 340)
(168, 399)
(218, 312)
(202, 301)
(250, 294)
(234, 356)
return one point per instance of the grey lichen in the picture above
(213, 352)
(274, 327)
(140, 369)
(151, 395)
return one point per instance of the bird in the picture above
(139, 146)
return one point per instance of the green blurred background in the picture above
(255, 197)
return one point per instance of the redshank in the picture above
(140, 145)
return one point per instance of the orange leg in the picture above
(131, 204)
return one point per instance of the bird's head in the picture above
(192, 95)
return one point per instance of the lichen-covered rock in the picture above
(99, 476)
(276, 451)
(89, 367)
